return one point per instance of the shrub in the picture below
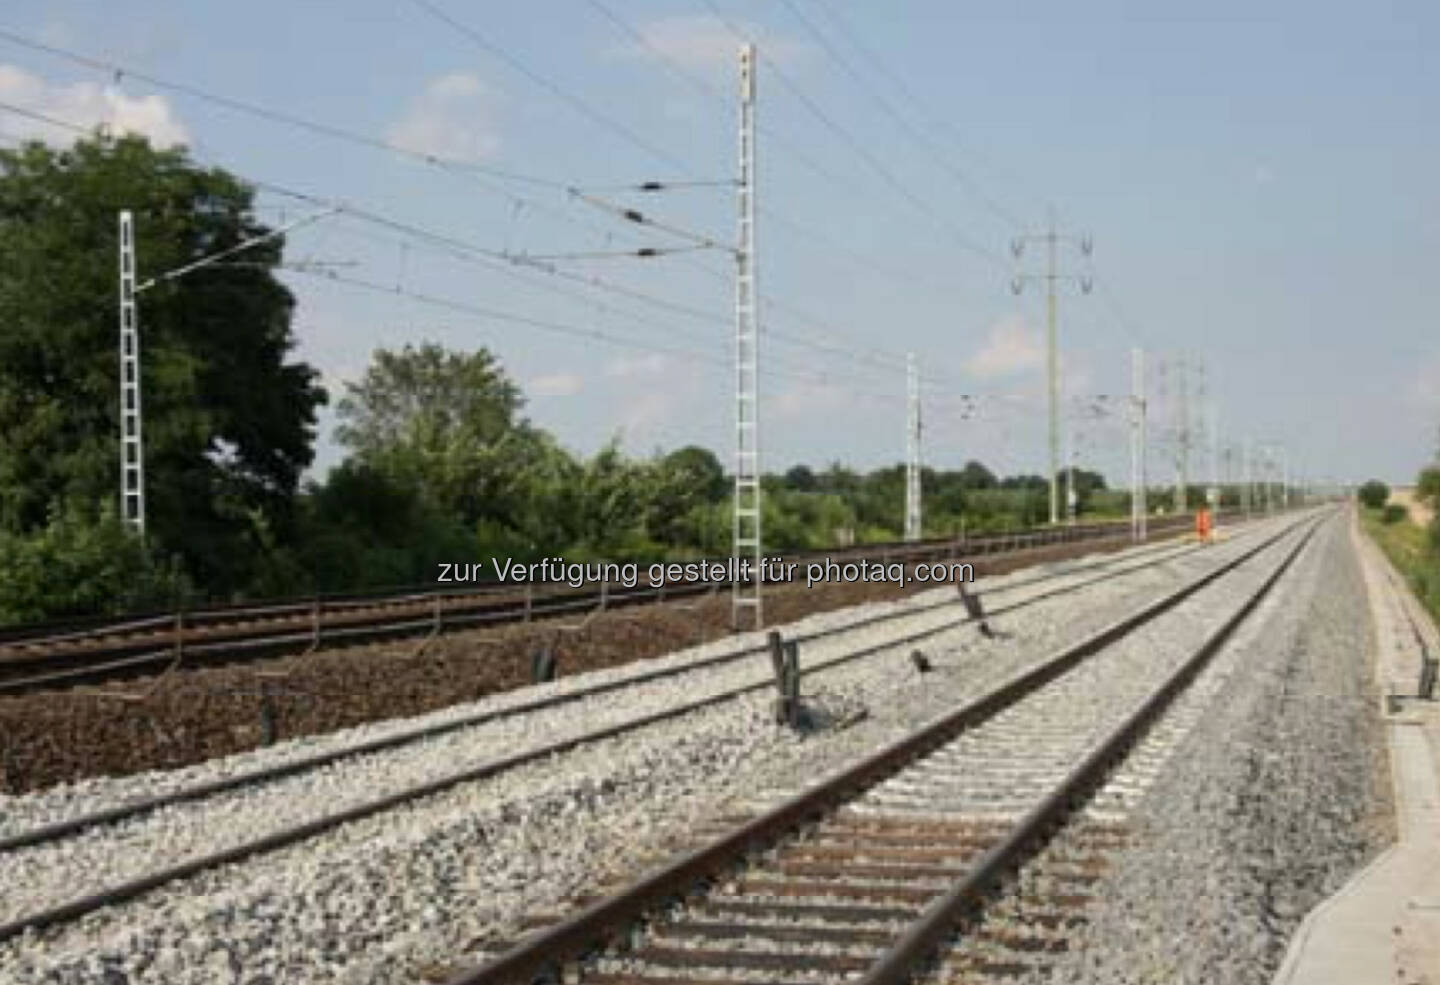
(1393, 513)
(81, 563)
(1374, 494)
(1427, 486)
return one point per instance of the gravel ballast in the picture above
(385, 898)
(1277, 794)
(865, 625)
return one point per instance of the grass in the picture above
(1412, 551)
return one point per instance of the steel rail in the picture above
(95, 627)
(922, 938)
(1008, 693)
(70, 826)
(255, 640)
(65, 630)
(544, 951)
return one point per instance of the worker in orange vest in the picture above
(1202, 525)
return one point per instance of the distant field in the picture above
(1407, 544)
(1419, 512)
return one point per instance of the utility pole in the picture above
(1265, 478)
(1052, 358)
(746, 592)
(1067, 433)
(1182, 473)
(1051, 277)
(1213, 495)
(912, 449)
(1245, 455)
(1137, 445)
(132, 446)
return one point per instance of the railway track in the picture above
(114, 825)
(67, 655)
(983, 822)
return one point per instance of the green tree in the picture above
(229, 418)
(365, 530)
(1427, 486)
(678, 485)
(700, 469)
(801, 479)
(1374, 494)
(977, 476)
(609, 506)
(82, 563)
(446, 424)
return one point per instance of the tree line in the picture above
(440, 462)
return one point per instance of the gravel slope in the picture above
(64, 801)
(1277, 795)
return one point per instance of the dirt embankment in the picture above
(187, 716)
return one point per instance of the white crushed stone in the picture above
(1272, 798)
(378, 899)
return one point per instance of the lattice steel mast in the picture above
(746, 593)
(912, 449)
(1138, 508)
(132, 447)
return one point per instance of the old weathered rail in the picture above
(68, 655)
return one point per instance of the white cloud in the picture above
(657, 400)
(1076, 376)
(625, 367)
(556, 385)
(811, 398)
(1010, 348)
(644, 410)
(452, 118)
(701, 41)
(56, 34)
(1424, 390)
(87, 104)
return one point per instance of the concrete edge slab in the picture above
(1371, 929)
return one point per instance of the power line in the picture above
(704, 87)
(915, 134)
(641, 252)
(561, 328)
(855, 257)
(460, 169)
(1113, 303)
(461, 251)
(859, 148)
(312, 199)
(777, 138)
(455, 168)
(575, 102)
(659, 186)
(878, 64)
(275, 116)
(639, 218)
(502, 262)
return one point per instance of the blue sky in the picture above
(1259, 186)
